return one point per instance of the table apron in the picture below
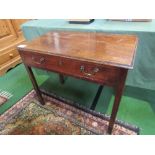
(98, 73)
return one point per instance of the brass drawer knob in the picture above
(95, 70)
(11, 55)
(60, 63)
(38, 62)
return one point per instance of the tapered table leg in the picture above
(118, 95)
(35, 85)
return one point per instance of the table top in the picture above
(111, 49)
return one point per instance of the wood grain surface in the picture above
(116, 50)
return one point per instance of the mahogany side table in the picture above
(93, 56)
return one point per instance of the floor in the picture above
(137, 105)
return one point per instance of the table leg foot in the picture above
(110, 130)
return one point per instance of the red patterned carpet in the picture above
(28, 117)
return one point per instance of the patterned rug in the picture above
(28, 117)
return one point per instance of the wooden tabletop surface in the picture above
(110, 49)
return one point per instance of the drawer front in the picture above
(34, 59)
(4, 57)
(77, 68)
